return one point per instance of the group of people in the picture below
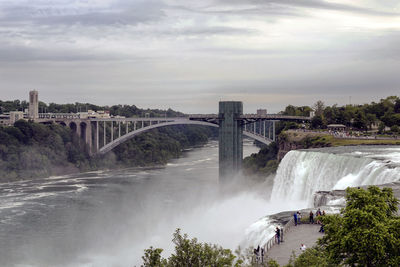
(259, 253)
(297, 217)
(318, 215)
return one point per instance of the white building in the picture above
(16, 116)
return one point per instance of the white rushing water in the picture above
(302, 173)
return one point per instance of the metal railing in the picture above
(273, 240)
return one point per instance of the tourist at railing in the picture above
(278, 235)
(298, 217)
(311, 217)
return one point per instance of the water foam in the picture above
(302, 173)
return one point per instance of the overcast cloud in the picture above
(188, 55)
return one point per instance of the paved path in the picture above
(302, 234)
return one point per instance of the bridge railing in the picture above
(274, 117)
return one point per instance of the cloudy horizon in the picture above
(188, 55)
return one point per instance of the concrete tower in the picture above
(33, 105)
(230, 139)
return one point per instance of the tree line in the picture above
(385, 113)
(115, 110)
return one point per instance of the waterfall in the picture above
(302, 173)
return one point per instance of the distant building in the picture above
(33, 105)
(336, 127)
(261, 112)
(103, 114)
(16, 116)
(4, 119)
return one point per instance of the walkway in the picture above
(302, 234)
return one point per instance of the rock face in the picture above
(293, 140)
(337, 197)
(285, 146)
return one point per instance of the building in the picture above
(4, 119)
(33, 105)
(93, 114)
(16, 116)
(336, 127)
(261, 112)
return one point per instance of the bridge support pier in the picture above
(88, 137)
(230, 139)
(95, 135)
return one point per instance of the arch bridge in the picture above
(101, 135)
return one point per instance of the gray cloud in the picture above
(120, 13)
(316, 4)
(25, 54)
(260, 10)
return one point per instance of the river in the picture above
(108, 218)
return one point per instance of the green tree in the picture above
(381, 128)
(190, 252)
(395, 129)
(311, 257)
(152, 258)
(319, 107)
(317, 122)
(360, 120)
(366, 233)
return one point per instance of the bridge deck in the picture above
(302, 234)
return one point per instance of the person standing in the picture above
(278, 235)
(311, 217)
(298, 217)
(295, 218)
(318, 212)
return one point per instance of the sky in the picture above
(189, 55)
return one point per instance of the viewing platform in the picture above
(306, 234)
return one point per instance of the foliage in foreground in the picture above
(366, 233)
(189, 252)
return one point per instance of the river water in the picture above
(108, 218)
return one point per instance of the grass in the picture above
(323, 140)
(355, 142)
